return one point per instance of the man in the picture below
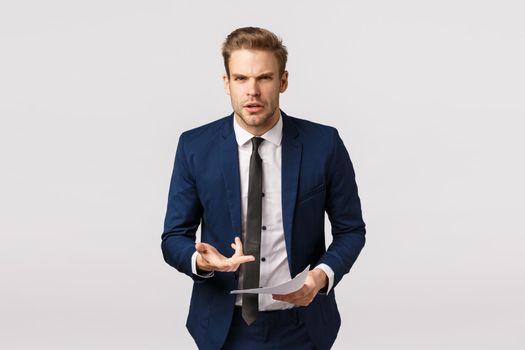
(259, 182)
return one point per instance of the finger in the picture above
(219, 262)
(285, 298)
(228, 265)
(277, 296)
(238, 246)
(303, 301)
(242, 259)
(297, 294)
(294, 296)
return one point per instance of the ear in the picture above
(284, 82)
(226, 83)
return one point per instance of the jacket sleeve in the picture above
(183, 215)
(344, 212)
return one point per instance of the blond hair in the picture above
(256, 39)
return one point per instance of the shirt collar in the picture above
(274, 135)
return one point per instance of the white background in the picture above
(428, 97)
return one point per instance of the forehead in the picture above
(247, 61)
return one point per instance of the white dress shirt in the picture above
(274, 268)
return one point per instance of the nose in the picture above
(253, 88)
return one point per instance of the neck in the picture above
(259, 130)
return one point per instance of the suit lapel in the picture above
(230, 172)
(291, 151)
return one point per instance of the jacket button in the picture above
(264, 227)
(263, 259)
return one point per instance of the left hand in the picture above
(315, 281)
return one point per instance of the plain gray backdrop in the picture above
(428, 97)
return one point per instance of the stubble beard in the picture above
(259, 122)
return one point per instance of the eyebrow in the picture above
(237, 75)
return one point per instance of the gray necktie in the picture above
(252, 238)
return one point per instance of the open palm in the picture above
(209, 258)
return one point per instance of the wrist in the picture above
(320, 277)
(201, 264)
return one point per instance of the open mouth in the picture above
(253, 107)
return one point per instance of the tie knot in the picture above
(256, 141)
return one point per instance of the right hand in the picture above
(209, 258)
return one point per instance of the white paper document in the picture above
(285, 288)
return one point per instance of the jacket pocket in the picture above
(303, 197)
(200, 305)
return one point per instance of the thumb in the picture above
(201, 248)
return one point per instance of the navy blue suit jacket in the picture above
(317, 176)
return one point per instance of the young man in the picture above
(259, 182)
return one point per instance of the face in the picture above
(254, 86)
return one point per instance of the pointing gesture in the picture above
(209, 258)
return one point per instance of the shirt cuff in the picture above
(330, 274)
(194, 267)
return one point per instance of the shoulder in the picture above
(211, 128)
(203, 135)
(313, 131)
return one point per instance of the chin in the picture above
(253, 119)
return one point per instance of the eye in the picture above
(239, 78)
